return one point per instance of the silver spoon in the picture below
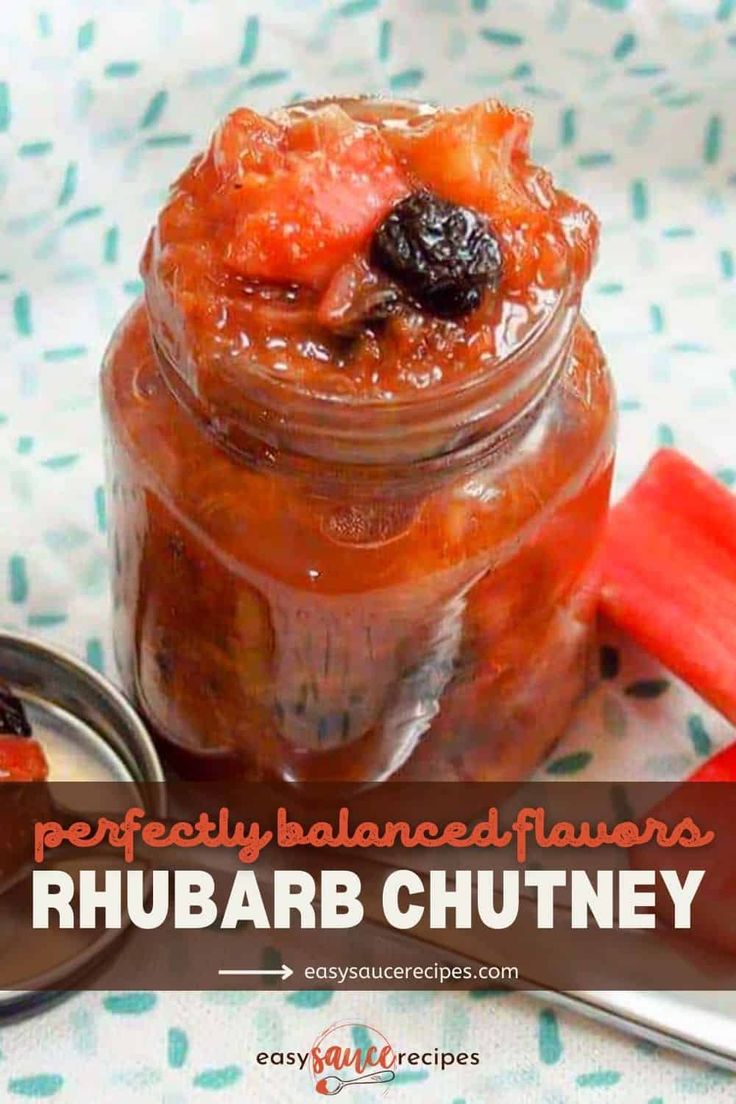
(332, 1085)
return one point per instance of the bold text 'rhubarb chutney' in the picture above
(360, 447)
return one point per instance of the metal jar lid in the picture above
(87, 729)
(89, 733)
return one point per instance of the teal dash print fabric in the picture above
(101, 104)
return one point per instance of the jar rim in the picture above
(420, 400)
(425, 426)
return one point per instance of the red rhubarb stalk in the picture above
(669, 574)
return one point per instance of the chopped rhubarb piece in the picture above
(469, 155)
(21, 760)
(669, 574)
(302, 198)
(479, 156)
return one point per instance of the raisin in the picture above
(13, 719)
(441, 254)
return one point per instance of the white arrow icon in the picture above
(284, 972)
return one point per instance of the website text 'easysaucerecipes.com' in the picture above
(434, 971)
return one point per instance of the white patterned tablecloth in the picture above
(101, 104)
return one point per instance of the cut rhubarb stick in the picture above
(668, 574)
(721, 767)
(713, 920)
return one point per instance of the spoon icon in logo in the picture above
(332, 1084)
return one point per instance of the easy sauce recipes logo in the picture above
(348, 1054)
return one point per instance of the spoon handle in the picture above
(376, 1077)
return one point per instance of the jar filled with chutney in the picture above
(360, 443)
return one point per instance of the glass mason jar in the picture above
(325, 591)
(316, 586)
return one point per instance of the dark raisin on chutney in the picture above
(442, 254)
